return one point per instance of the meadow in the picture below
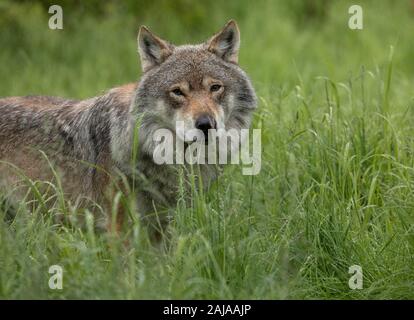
(336, 110)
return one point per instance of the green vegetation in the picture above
(336, 186)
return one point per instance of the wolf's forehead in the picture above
(192, 63)
(196, 53)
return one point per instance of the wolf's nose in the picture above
(204, 123)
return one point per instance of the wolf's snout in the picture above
(204, 123)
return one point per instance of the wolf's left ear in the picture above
(226, 43)
(152, 49)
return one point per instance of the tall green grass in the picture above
(337, 178)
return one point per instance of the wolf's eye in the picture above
(177, 92)
(215, 87)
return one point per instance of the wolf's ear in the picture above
(226, 43)
(152, 50)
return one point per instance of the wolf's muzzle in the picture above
(204, 123)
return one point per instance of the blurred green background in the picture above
(337, 180)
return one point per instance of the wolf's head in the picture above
(201, 86)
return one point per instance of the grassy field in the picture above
(336, 186)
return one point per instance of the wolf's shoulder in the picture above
(35, 102)
(121, 94)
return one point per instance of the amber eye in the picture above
(177, 92)
(215, 87)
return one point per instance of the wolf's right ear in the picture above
(226, 43)
(152, 50)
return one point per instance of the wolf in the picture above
(83, 144)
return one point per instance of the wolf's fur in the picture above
(100, 131)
